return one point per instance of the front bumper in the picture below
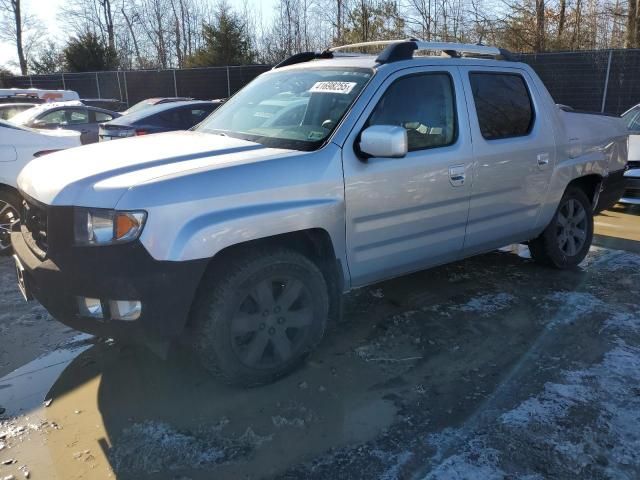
(631, 193)
(124, 272)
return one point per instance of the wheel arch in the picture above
(8, 188)
(313, 243)
(589, 184)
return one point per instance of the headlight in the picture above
(98, 226)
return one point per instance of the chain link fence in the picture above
(601, 81)
(131, 86)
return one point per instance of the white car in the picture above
(631, 194)
(18, 146)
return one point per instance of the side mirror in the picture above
(384, 141)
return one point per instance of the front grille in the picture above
(34, 225)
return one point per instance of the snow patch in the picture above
(574, 305)
(397, 462)
(487, 304)
(473, 460)
(151, 447)
(554, 403)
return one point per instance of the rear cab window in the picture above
(503, 104)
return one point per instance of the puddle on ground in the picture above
(23, 389)
(120, 411)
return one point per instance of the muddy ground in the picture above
(488, 368)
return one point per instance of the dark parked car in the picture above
(165, 117)
(8, 110)
(150, 102)
(67, 115)
(112, 104)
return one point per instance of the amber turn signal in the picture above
(126, 225)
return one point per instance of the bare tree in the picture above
(15, 24)
(632, 11)
(562, 18)
(540, 33)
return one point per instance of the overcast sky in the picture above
(47, 10)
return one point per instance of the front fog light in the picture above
(90, 307)
(125, 309)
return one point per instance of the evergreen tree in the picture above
(87, 53)
(226, 42)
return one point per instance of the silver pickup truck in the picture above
(327, 173)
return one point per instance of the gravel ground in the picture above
(488, 368)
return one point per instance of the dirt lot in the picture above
(488, 368)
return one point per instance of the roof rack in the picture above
(396, 50)
(303, 57)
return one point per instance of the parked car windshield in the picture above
(9, 124)
(632, 119)
(296, 109)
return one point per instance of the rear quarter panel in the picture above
(586, 145)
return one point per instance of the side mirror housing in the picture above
(384, 141)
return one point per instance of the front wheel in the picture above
(567, 239)
(257, 316)
(9, 217)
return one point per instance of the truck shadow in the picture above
(414, 355)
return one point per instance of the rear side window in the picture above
(424, 105)
(503, 105)
(198, 114)
(102, 117)
(171, 118)
(78, 116)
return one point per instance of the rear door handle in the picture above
(457, 175)
(543, 160)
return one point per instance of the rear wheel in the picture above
(9, 217)
(258, 316)
(567, 239)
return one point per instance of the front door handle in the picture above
(457, 175)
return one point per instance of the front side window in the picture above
(294, 109)
(424, 105)
(56, 117)
(503, 105)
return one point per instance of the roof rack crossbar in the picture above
(303, 57)
(403, 49)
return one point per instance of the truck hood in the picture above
(98, 175)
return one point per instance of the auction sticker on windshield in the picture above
(333, 87)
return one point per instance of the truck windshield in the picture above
(293, 109)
